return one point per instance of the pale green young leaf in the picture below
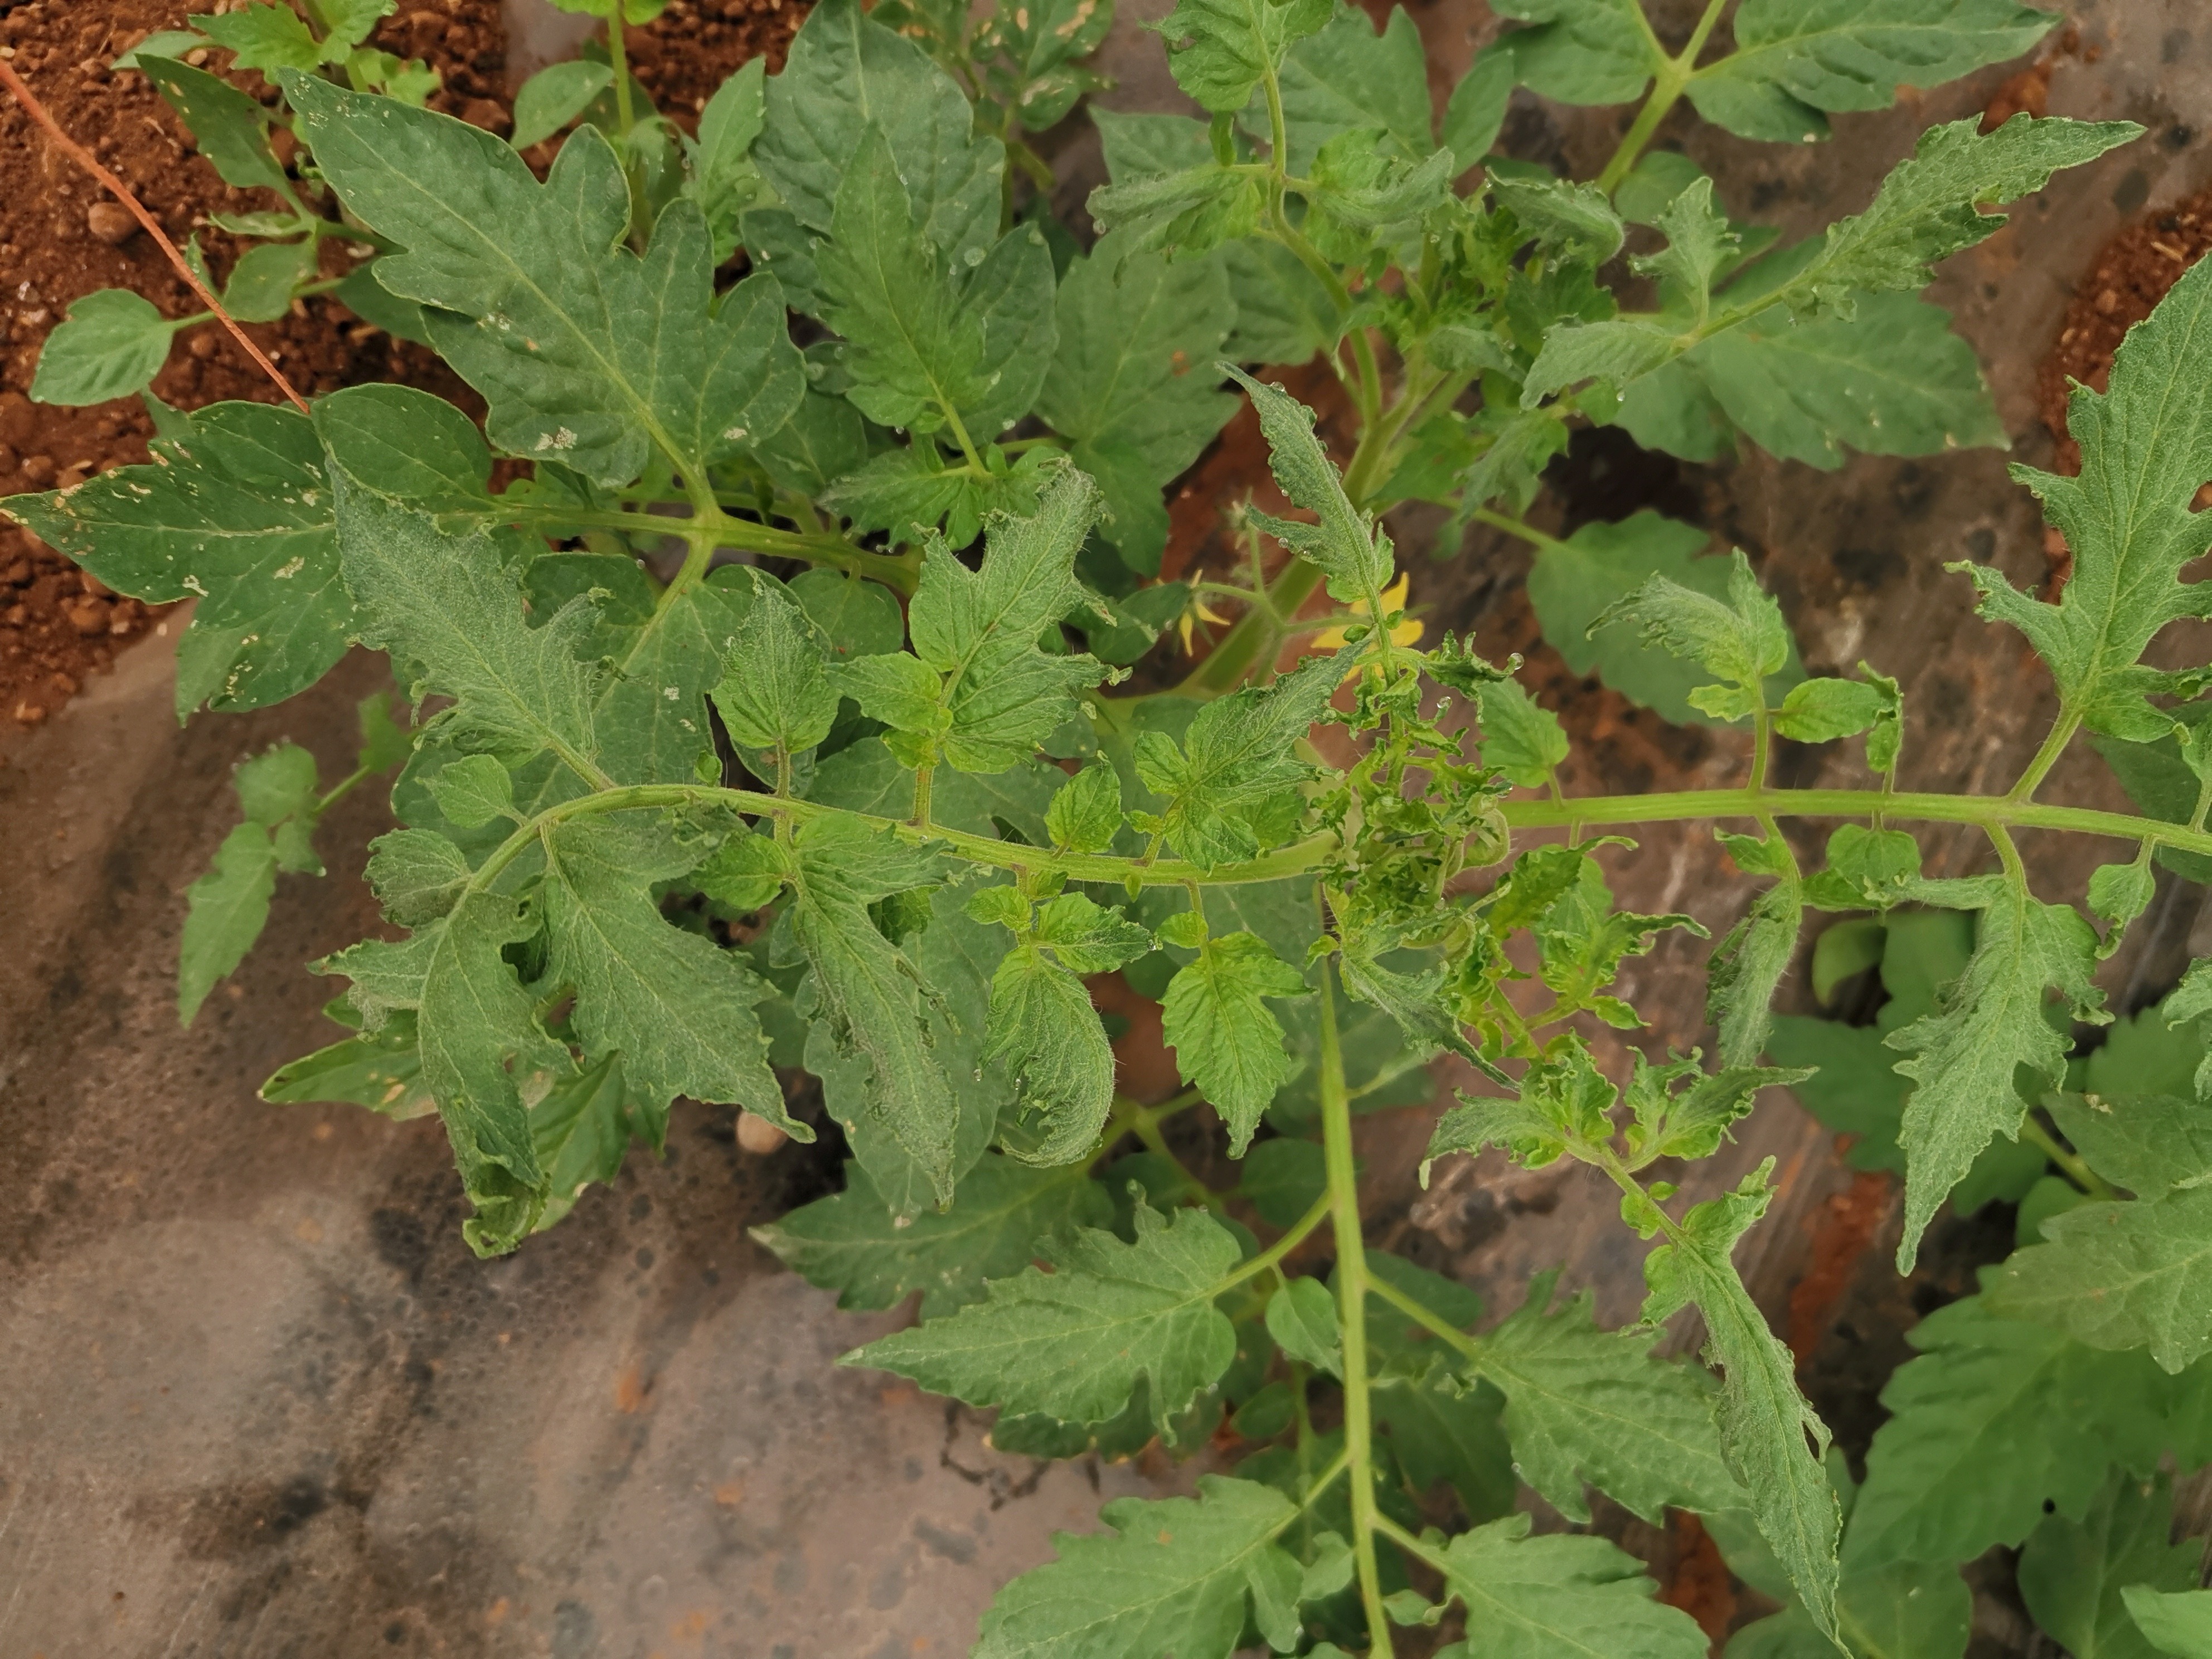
(1700, 244)
(1575, 580)
(1237, 753)
(476, 1028)
(1044, 1027)
(1416, 1003)
(230, 129)
(2118, 893)
(1132, 382)
(1740, 640)
(1181, 215)
(1301, 1318)
(1351, 548)
(2074, 1574)
(2126, 1275)
(449, 611)
(263, 36)
(1535, 1598)
(1581, 939)
(1085, 814)
(587, 353)
(581, 1129)
(1520, 737)
(228, 906)
(1962, 1056)
(911, 489)
(556, 95)
(1227, 1040)
(2175, 1622)
(867, 991)
(381, 1071)
(1798, 61)
(1219, 50)
(418, 875)
(1615, 353)
(262, 283)
(473, 791)
(853, 1244)
(1584, 51)
(1996, 1419)
(775, 691)
(240, 517)
(1746, 966)
(1571, 219)
(675, 1006)
(1349, 78)
(1585, 1406)
(846, 70)
(1822, 710)
(1178, 1575)
(1560, 1098)
(2128, 517)
(1764, 1421)
(113, 344)
(1680, 1111)
(1073, 1343)
(1000, 696)
(1929, 207)
(162, 42)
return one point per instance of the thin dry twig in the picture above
(122, 192)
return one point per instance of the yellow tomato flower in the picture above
(1407, 632)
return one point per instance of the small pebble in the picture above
(757, 1135)
(111, 222)
(37, 470)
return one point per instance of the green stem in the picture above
(2054, 744)
(1351, 1282)
(1427, 1318)
(1255, 631)
(1667, 81)
(1762, 742)
(1266, 1262)
(618, 60)
(2076, 1172)
(922, 778)
(1147, 1128)
(339, 790)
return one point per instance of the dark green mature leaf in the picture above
(1798, 61)
(1219, 50)
(723, 179)
(675, 1006)
(846, 70)
(1764, 1421)
(1584, 1405)
(587, 353)
(449, 611)
(382, 1071)
(2074, 1573)
(1348, 78)
(1892, 379)
(868, 993)
(1133, 383)
(1236, 754)
(2148, 1144)
(1177, 1574)
(1962, 1057)
(581, 1129)
(1740, 640)
(1910, 1610)
(231, 129)
(1586, 51)
(1536, 1598)
(1351, 548)
(1227, 1040)
(2128, 1275)
(1038, 76)
(1073, 1343)
(557, 94)
(418, 875)
(1575, 580)
(1997, 1419)
(113, 343)
(239, 516)
(1002, 1211)
(1929, 207)
(2146, 447)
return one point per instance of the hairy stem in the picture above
(618, 60)
(1672, 76)
(2051, 1147)
(1343, 1200)
(2054, 744)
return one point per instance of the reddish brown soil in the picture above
(1842, 1231)
(689, 50)
(55, 628)
(1700, 1583)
